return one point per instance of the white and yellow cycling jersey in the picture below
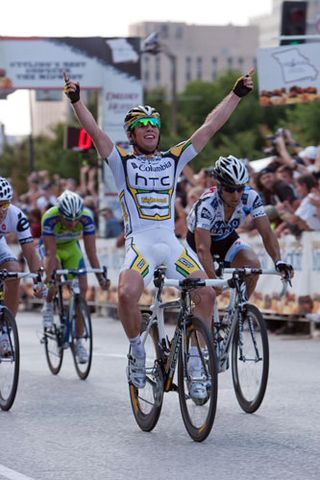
(147, 185)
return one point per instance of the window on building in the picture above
(240, 62)
(48, 95)
(214, 62)
(164, 30)
(199, 68)
(179, 33)
(188, 69)
(230, 63)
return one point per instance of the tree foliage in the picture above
(243, 135)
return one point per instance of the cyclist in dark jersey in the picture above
(214, 218)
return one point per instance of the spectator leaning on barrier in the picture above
(149, 214)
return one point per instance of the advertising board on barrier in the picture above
(289, 74)
(302, 254)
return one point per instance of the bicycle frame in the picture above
(170, 350)
(67, 320)
(234, 310)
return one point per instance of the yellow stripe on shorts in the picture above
(139, 264)
(186, 264)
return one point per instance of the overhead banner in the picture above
(289, 74)
(110, 65)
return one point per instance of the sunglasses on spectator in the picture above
(144, 122)
(5, 205)
(233, 189)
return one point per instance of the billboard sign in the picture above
(289, 74)
(109, 65)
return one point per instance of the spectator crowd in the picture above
(288, 185)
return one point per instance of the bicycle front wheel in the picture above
(197, 393)
(53, 341)
(147, 402)
(81, 338)
(9, 359)
(250, 359)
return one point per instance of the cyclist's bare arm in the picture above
(101, 140)
(269, 239)
(50, 262)
(30, 254)
(89, 242)
(219, 115)
(203, 244)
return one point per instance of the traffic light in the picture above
(293, 21)
(77, 139)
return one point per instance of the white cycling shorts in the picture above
(5, 253)
(151, 248)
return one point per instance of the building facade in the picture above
(200, 52)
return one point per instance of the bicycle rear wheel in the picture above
(9, 360)
(250, 360)
(53, 341)
(198, 413)
(147, 402)
(81, 330)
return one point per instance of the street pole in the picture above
(153, 46)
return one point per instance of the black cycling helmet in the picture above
(230, 172)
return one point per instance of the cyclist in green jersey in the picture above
(62, 227)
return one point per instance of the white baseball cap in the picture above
(309, 152)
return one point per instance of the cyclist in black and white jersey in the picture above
(214, 218)
(146, 180)
(13, 220)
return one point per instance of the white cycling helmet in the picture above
(230, 172)
(70, 205)
(6, 191)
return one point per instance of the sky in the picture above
(83, 18)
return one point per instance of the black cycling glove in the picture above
(240, 89)
(73, 96)
(285, 269)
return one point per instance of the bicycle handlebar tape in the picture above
(240, 88)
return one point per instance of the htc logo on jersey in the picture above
(148, 182)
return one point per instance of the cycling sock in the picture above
(137, 349)
(194, 361)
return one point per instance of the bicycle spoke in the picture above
(147, 402)
(198, 381)
(250, 360)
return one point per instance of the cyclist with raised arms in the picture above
(62, 227)
(214, 218)
(13, 220)
(146, 180)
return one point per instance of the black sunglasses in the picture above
(233, 189)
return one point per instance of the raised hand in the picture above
(244, 85)
(71, 89)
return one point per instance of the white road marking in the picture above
(12, 474)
